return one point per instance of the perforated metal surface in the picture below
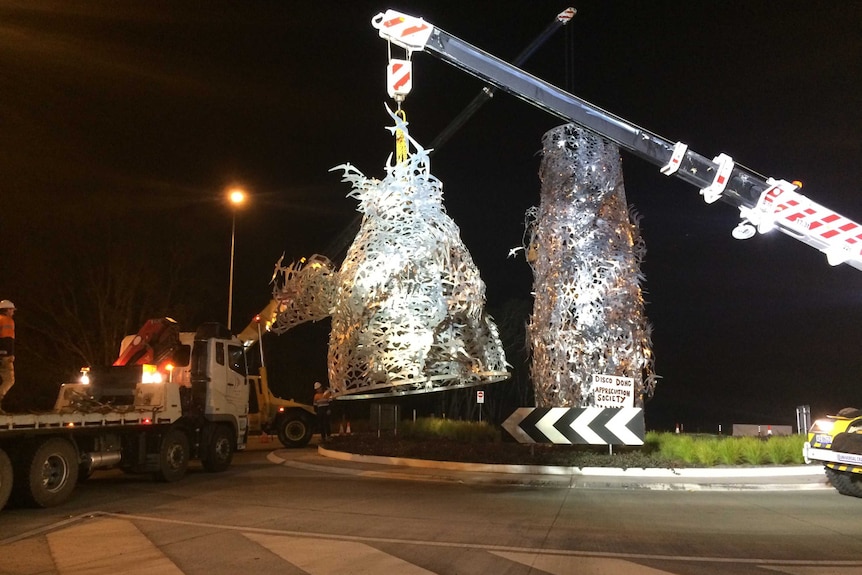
(585, 250)
(305, 291)
(408, 307)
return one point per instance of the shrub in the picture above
(729, 451)
(653, 441)
(785, 449)
(435, 428)
(706, 451)
(677, 447)
(753, 450)
(660, 449)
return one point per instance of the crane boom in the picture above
(764, 203)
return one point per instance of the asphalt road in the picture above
(294, 514)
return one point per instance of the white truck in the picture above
(143, 418)
(161, 343)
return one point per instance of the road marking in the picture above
(759, 561)
(803, 570)
(110, 529)
(104, 546)
(566, 565)
(331, 556)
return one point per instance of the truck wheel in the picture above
(5, 478)
(47, 473)
(173, 457)
(294, 430)
(846, 483)
(219, 451)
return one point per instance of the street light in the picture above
(236, 197)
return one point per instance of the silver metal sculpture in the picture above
(585, 250)
(408, 303)
(304, 291)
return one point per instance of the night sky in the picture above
(157, 107)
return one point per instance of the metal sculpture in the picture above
(304, 291)
(585, 250)
(408, 303)
(409, 316)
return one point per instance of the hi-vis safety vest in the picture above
(7, 335)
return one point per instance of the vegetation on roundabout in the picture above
(474, 442)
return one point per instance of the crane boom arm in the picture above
(764, 203)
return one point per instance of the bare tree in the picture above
(93, 287)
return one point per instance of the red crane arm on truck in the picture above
(153, 344)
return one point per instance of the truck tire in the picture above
(218, 453)
(173, 457)
(46, 473)
(294, 430)
(845, 482)
(847, 443)
(5, 478)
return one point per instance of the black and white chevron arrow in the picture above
(577, 425)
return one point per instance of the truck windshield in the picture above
(236, 355)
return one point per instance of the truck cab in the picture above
(190, 403)
(217, 374)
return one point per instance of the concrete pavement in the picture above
(765, 478)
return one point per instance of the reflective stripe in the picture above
(7, 326)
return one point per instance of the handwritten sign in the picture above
(613, 391)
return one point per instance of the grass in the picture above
(453, 440)
(426, 428)
(730, 452)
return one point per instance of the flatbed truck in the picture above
(158, 430)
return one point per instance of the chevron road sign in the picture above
(577, 425)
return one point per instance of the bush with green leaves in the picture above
(729, 451)
(712, 450)
(660, 449)
(452, 429)
(783, 450)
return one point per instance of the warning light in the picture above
(150, 374)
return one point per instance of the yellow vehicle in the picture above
(291, 421)
(836, 441)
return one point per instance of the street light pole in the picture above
(237, 197)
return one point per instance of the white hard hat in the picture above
(6, 304)
(317, 385)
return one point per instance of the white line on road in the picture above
(790, 566)
(105, 547)
(563, 565)
(802, 570)
(331, 556)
